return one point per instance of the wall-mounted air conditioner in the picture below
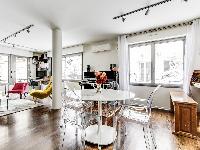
(101, 47)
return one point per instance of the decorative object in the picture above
(88, 68)
(101, 78)
(112, 66)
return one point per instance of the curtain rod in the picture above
(161, 28)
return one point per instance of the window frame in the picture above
(79, 53)
(153, 50)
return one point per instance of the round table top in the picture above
(104, 95)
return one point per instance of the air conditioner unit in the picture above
(101, 47)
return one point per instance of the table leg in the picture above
(5, 89)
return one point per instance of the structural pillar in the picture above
(57, 68)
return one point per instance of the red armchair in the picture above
(19, 88)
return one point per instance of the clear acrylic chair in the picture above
(140, 115)
(72, 109)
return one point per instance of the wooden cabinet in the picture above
(185, 109)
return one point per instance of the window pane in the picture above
(140, 64)
(169, 63)
(21, 69)
(4, 69)
(72, 67)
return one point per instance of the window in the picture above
(158, 62)
(21, 69)
(169, 62)
(140, 62)
(72, 67)
(3, 68)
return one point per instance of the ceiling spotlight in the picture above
(15, 35)
(185, 0)
(13, 45)
(147, 11)
(123, 19)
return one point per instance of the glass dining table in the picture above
(102, 134)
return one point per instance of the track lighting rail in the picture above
(27, 29)
(143, 8)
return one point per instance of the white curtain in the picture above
(123, 57)
(192, 49)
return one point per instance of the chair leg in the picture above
(34, 99)
(152, 136)
(20, 96)
(24, 95)
(145, 130)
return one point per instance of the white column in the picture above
(57, 68)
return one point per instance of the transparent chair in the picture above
(73, 108)
(140, 115)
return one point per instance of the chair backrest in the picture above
(114, 85)
(71, 87)
(150, 99)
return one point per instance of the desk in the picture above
(185, 109)
(106, 134)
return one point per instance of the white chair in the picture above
(141, 115)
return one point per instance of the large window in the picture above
(21, 69)
(3, 68)
(159, 62)
(72, 67)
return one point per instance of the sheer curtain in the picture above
(192, 48)
(123, 57)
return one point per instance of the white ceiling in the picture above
(85, 20)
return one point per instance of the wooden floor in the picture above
(39, 129)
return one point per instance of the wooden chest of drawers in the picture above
(185, 109)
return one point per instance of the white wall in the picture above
(100, 60)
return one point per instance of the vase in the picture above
(98, 88)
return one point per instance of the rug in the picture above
(16, 105)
